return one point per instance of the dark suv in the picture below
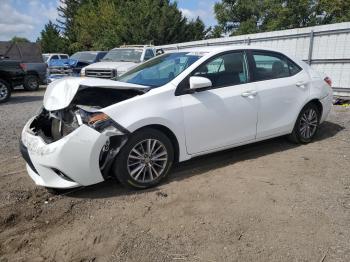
(11, 75)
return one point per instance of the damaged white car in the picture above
(171, 108)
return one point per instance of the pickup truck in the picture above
(11, 75)
(36, 74)
(119, 60)
(30, 58)
(61, 67)
(48, 57)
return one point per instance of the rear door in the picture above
(283, 87)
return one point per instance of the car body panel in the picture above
(212, 116)
(157, 107)
(11, 72)
(279, 101)
(60, 93)
(76, 155)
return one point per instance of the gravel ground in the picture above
(270, 201)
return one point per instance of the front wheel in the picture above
(5, 91)
(306, 125)
(145, 159)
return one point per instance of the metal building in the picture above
(326, 48)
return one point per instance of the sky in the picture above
(26, 18)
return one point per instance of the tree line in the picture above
(105, 24)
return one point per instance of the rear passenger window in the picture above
(225, 70)
(293, 68)
(272, 66)
(64, 57)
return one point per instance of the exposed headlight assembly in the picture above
(100, 122)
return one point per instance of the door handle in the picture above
(301, 84)
(250, 94)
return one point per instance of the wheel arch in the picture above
(170, 134)
(316, 102)
(32, 73)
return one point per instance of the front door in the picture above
(225, 114)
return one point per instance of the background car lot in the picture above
(270, 201)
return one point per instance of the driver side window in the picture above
(225, 70)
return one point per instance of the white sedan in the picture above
(169, 109)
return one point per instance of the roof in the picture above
(209, 49)
(139, 46)
(55, 54)
(25, 52)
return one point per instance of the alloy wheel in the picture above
(147, 160)
(308, 123)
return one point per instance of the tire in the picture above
(5, 91)
(31, 83)
(135, 168)
(306, 125)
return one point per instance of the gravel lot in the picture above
(271, 201)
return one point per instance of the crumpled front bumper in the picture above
(70, 162)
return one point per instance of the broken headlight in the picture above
(100, 122)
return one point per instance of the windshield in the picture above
(45, 57)
(123, 55)
(84, 56)
(160, 70)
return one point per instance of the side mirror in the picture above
(198, 82)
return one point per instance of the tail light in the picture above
(328, 80)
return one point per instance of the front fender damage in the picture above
(70, 103)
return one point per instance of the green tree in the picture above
(196, 29)
(215, 32)
(239, 16)
(108, 23)
(51, 40)
(335, 11)
(243, 17)
(279, 15)
(17, 39)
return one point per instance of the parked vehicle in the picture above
(59, 68)
(49, 57)
(36, 74)
(86, 58)
(172, 108)
(11, 75)
(119, 60)
(30, 56)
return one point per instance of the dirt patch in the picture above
(270, 201)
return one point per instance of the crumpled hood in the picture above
(120, 66)
(60, 93)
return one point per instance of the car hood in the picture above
(121, 66)
(60, 93)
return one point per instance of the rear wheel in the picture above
(306, 125)
(5, 91)
(145, 159)
(31, 83)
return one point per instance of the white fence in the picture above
(326, 48)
